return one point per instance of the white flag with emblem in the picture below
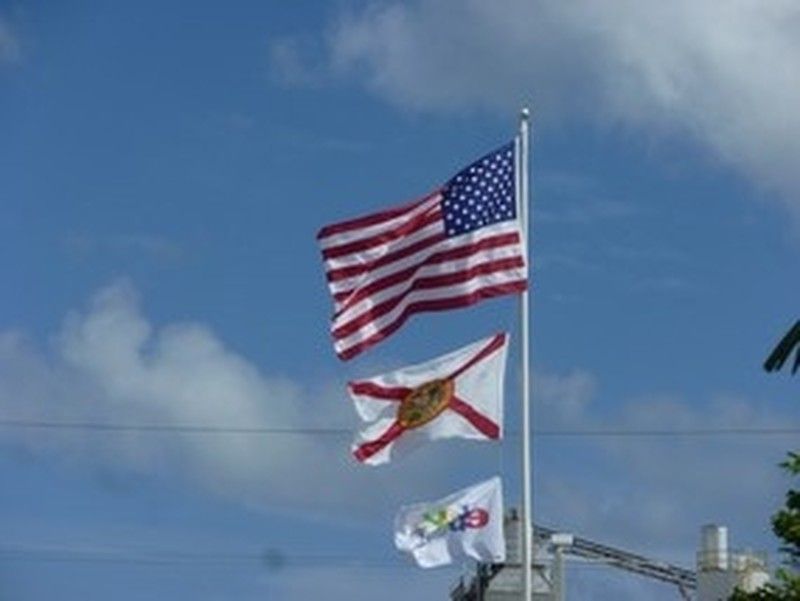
(469, 522)
(456, 395)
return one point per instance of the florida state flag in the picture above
(456, 395)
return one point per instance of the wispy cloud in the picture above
(576, 199)
(637, 254)
(10, 50)
(726, 75)
(153, 246)
(643, 269)
(585, 211)
(291, 62)
(109, 364)
(565, 396)
(156, 246)
(651, 492)
(240, 122)
(663, 283)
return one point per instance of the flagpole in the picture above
(523, 199)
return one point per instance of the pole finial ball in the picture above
(525, 112)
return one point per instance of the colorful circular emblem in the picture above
(425, 403)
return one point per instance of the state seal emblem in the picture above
(425, 403)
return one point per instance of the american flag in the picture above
(456, 246)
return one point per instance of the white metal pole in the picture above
(527, 499)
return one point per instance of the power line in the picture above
(155, 428)
(231, 560)
(269, 559)
(287, 431)
(666, 432)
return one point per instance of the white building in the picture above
(719, 570)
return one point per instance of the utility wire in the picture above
(667, 432)
(263, 430)
(182, 428)
(269, 559)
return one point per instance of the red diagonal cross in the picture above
(397, 393)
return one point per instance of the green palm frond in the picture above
(789, 343)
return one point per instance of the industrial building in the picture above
(718, 570)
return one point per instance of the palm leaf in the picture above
(789, 343)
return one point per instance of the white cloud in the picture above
(564, 398)
(9, 44)
(161, 249)
(726, 74)
(288, 63)
(109, 364)
(650, 493)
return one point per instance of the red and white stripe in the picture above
(384, 267)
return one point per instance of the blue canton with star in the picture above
(481, 194)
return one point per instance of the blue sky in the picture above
(164, 171)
